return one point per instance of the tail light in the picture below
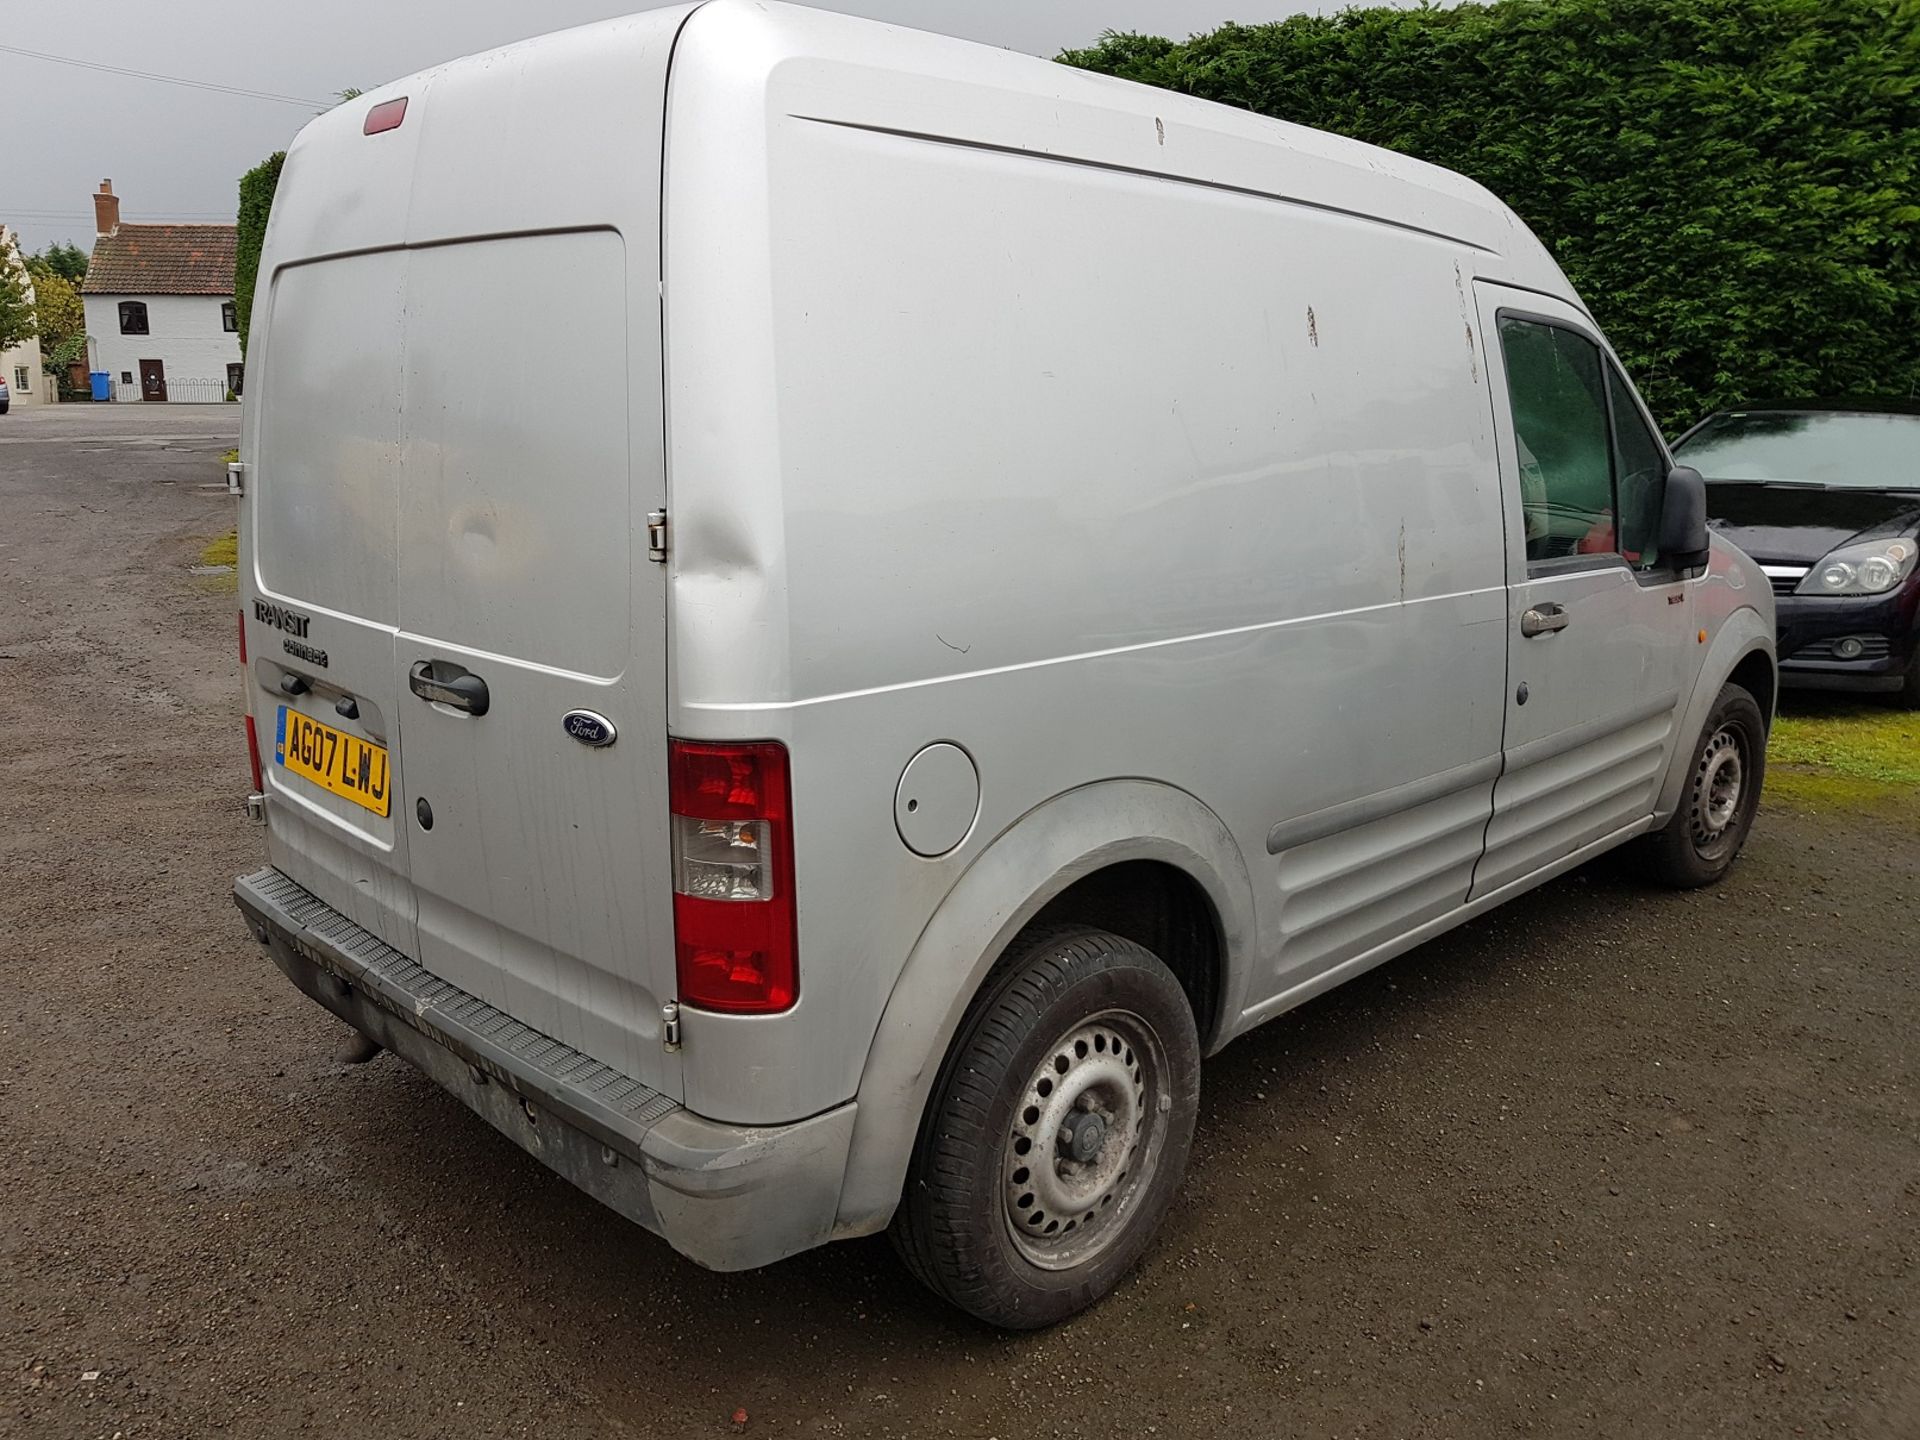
(253, 757)
(253, 739)
(733, 911)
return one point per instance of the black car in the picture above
(1826, 496)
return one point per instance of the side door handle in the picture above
(441, 682)
(1543, 620)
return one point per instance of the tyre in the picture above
(1057, 1134)
(1716, 809)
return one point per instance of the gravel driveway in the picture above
(1606, 1162)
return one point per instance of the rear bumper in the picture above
(727, 1197)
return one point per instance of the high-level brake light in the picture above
(387, 115)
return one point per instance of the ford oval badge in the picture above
(589, 728)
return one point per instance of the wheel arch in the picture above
(1068, 859)
(1741, 651)
(1754, 673)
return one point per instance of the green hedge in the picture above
(256, 200)
(1732, 185)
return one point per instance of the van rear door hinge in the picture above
(657, 536)
(670, 1025)
(236, 477)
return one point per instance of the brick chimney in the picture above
(106, 210)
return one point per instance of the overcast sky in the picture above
(176, 153)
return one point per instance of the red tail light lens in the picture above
(733, 911)
(253, 739)
(253, 756)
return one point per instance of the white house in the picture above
(20, 364)
(160, 314)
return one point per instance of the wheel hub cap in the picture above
(1085, 1136)
(1717, 785)
(1082, 1136)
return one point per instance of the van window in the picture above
(1640, 477)
(1556, 383)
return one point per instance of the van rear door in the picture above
(539, 859)
(453, 505)
(320, 597)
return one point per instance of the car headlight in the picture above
(1872, 568)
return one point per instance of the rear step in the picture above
(727, 1197)
(614, 1108)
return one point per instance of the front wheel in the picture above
(1058, 1132)
(1716, 810)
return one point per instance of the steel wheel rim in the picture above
(1719, 785)
(1104, 1079)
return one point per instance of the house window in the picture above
(229, 316)
(133, 317)
(235, 374)
(20, 377)
(126, 377)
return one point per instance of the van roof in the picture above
(881, 76)
(891, 79)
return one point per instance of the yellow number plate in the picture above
(333, 760)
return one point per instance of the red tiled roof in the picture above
(162, 260)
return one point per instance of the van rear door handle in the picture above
(1543, 620)
(442, 682)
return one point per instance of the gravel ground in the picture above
(1605, 1163)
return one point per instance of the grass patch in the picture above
(231, 457)
(1874, 742)
(221, 555)
(1860, 756)
(222, 549)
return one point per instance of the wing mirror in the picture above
(1683, 519)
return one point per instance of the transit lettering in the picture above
(281, 618)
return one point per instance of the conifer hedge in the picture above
(256, 203)
(1732, 185)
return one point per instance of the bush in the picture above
(256, 201)
(1732, 185)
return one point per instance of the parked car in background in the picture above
(6, 398)
(1826, 496)
(852, 783)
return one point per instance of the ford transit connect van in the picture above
(1014, 579)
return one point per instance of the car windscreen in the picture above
(1843, 449)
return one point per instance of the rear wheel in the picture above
(1716, 810)
(1058, 1132)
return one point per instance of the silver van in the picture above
(1013, 579)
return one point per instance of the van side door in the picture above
(1599, 638)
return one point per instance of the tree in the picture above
(67, 261)
(256, 203)
(17, 323)
(62, 318)
(1732, 185)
